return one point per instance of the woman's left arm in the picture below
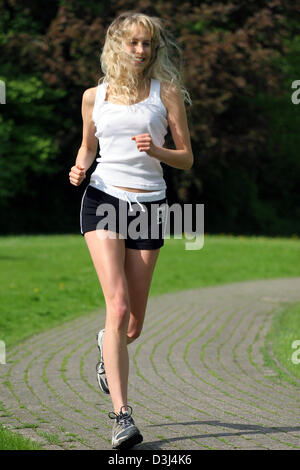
(182, 157)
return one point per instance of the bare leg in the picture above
(139, 268)
(108, 256)
(125, 277)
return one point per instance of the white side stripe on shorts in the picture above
(81, 210)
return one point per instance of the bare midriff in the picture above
(132, 190)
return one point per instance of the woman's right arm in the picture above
(88, 149)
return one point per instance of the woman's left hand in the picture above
(144, 143)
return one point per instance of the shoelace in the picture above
(121, 417)
(101, 365)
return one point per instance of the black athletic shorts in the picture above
(141, 224)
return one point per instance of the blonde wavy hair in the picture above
(165, 61)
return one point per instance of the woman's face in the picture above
(138, 44)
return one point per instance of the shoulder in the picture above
(169, 93)
(171, 97)
(89, 96)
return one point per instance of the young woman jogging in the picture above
(139, 96)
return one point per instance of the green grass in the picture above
(284, 331)
(12, 441)
(47, 280)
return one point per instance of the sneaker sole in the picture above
(102, 385)
(130, 442)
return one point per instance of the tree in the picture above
(232, 55)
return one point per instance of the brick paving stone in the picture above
(197, 377)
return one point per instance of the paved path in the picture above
(197, 377)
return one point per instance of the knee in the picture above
(119, 314)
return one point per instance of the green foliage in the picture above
(86, 7)
(29, 16)
(28, 146)
(279, 171)
(239, 60)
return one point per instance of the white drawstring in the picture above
(130, 207)
(130, 210)
(141, 205)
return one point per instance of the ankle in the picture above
(121, 409)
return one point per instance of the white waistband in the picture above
(128, 196)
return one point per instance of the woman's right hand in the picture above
(77, 175)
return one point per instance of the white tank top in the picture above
(121, 163)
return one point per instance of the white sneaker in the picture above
(100, 371)
(125, 434)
